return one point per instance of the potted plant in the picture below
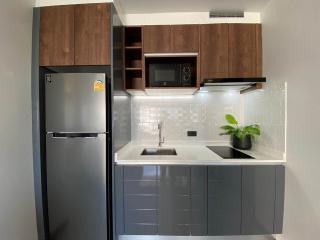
(241, 136)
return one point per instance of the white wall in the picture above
(292, 54)
(17, 206)
(41, 3)
(186, 18)
(159, 18)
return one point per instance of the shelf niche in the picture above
(134, 58)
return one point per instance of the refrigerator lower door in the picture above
(76, 187)
(75, 102)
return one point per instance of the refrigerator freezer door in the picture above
(76, 187)
(75, 102)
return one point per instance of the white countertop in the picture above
(189, 154)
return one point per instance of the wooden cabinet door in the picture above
(92, 34)
(214, 51)
(185, 38)
(157, 39)
(57, 36)
(245, 50)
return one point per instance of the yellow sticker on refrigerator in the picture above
(98, 86)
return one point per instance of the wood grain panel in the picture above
(214, 50)
(57, 36)
(242, 50)
(92, 34)
(259, 50)
(157, 39)
(185, 38)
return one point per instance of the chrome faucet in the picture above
(161, 139)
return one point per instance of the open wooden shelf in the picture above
(134, 68)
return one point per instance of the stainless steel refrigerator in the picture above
(76, 155)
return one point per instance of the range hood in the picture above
(233, 84)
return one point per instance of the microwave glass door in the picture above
(164, 75)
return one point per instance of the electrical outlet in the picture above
(192, 133)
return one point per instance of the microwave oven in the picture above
(170, 74)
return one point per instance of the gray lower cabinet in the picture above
(182, 200)
(279, 202)
(140, 207)
(119, 200)
(174, 200)
(224, 200)
(199, 200)
(262, 206)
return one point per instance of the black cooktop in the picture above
(229, 152)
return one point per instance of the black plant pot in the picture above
(243, 144)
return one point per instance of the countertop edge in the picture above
(197, 162)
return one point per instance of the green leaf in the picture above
(231, 119)
(253, 130)
(228, 130)
(239, 131)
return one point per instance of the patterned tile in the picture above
(204, 113)
(267, 108)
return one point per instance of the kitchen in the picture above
(180, 81)
(158, 124)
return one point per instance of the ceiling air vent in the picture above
(226, 14)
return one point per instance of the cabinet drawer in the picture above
(140, 173)
(141, 201)
(141, 229)
(141, 216)
(140, 187)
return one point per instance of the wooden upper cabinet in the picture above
(57, 36)
(259, 50)
(185, 38)
(171, 38)
(157, 39)
(75, 35)
(245, 50)
(92, 34)
(214, 51)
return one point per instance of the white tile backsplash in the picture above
(267, 108)
(202, 112)
(205, 113)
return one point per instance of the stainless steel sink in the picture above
(159, 151)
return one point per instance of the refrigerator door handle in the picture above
(75, 135)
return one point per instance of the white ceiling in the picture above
(160, 6)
